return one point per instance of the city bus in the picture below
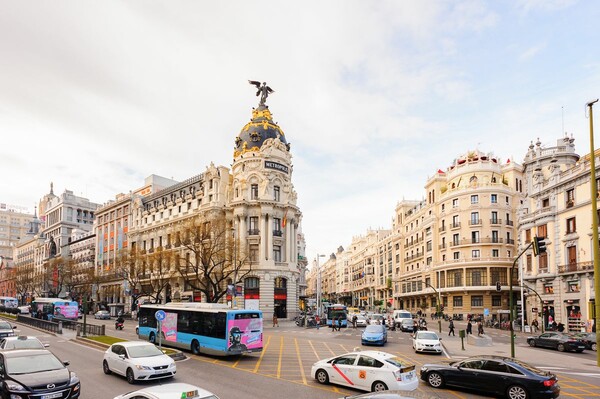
(336, 311)
(208, 328)
(9, 302)
(55, 308)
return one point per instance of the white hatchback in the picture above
(427, 341)
(138, 361)
(368, 371)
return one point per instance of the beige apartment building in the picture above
(558, 209)
(14, 224)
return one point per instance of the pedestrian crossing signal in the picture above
(539, 246)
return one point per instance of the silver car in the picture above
(102, 315)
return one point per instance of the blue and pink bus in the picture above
(209, 328)
(337, 311)
(55, 308)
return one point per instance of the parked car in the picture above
(6, 329)
(557, 340)
(427, 341)
(102, 315)
(374, 334)
(392, 395)
(169, 391)
(589, 339)
(24, 309)
(376, 318)
(495, 375)
(22, 342)
(138, 361)
(407, 325)
(367, 371)
(36, 373)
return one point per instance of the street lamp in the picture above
(319, 285)
(439, 302)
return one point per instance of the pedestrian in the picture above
(534, 325)
(275, 321)
(318, 321)
(560, 327)
(354, 321)
(340, 323)
(469, 327)
(451, 328)
(333, 322)
(479, 328)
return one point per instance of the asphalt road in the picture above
(283, 368)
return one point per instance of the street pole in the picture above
(439, 303)
(319, 287)
(541, 303)
(510, 302)
(593, 199)
(84, 334)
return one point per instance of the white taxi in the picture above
(138, 361)
(368, 371)
(170, 391)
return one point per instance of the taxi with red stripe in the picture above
(370, 371)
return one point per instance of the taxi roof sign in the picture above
(190, 394)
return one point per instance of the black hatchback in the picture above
(34, 374)
(494, 375)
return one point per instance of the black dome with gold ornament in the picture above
(260, 128)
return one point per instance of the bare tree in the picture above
(57, 275)
(160, 266)
(128, 266)
(207, 256)
(24, 278)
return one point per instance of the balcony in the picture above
(510, 241)
(495, 221)
(277, 233)
(413, 257)
(475, 222)
(509, 223)
(570, 203)
(442, 229)
(576, 267)
(455, 225)
(442, 246)
(253, 232)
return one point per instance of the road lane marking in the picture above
(300, 361)
(328, 348)
(262, 354)
(280, 354)
(314, 350)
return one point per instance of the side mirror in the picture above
(46, 345)
(440, 339)
(66, 362)
(122, 356)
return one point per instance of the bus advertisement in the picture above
(9, 302)
(213, 329)
(50, 308)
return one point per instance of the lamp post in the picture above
(439, 301)
(319, 286)
(594, 198)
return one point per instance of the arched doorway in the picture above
(252, 293)
(280, 297)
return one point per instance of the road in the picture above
(283, 368)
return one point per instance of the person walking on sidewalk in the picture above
(469, 327)
(275, 321)
(318, 321)
(451, 328)
(479, 328)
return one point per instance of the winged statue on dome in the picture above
(263, 91)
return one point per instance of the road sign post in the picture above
(160, 316)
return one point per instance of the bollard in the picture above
(462, 334)
(59, 327)
(78, 330)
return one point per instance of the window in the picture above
(254, 191)
(276, 193)
(253, 253)
(495, 236)
(545, 202)
(543, 261)
(528, 235)
(496, 366)
(455, 222)
(474, 237)
(429, 246)
(457, 301)
(548, 289)
(507, 202)
(495, 253)
(455, 203)
(474, 217)
(494, 198)
(529, 262)
(570, 198)
(542, 231)
(277, 227)
(571, 226)
(475, 253)
(277, 253)
(496, 300)
(572, 286)
(443, 206)
(474, 199)
(455, 239)
(253, 225)
(494, 218)
(477, 301)
(456, 255)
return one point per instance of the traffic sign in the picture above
(160, 315)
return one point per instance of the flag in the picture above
(284, 221)
(440, 171)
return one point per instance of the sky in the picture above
(374, 96)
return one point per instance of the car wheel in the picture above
(516, 392)
(195, 347)
(105, 368)
(560, 348)
(531, 343)
(152, 338)
(130, 376)
(435, 379)
(594, 347)
(322, 376)
(379, 386)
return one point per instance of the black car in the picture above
(589, 339)
(6, 329)
(494, 375)
(557, 340)
(36, 373)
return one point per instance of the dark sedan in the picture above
(557, 340)
(589, 339)
(494, 375)
(36, 373)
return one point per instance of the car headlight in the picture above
(139, 367)
(423, 369)
(14, 386)
(74, 378)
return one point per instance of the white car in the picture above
(361, 321)
(138, 361)
(427, 341)
(170, 391)
(368, 371)
(22, 342)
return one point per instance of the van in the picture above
(400, 315)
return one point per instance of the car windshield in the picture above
(373, 329)
(5, 326)
(24, 344)
(395, 361)
(32, 364)
(427, 335)
(143, 351)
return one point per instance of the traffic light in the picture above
(498, 286)
(539, 246)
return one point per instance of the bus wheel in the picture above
(195, 347)
(152, 338)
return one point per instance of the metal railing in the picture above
(52, 326)
(90, 329)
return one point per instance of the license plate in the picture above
(52, 396)
(410, 375)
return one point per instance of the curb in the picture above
(178, 355)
